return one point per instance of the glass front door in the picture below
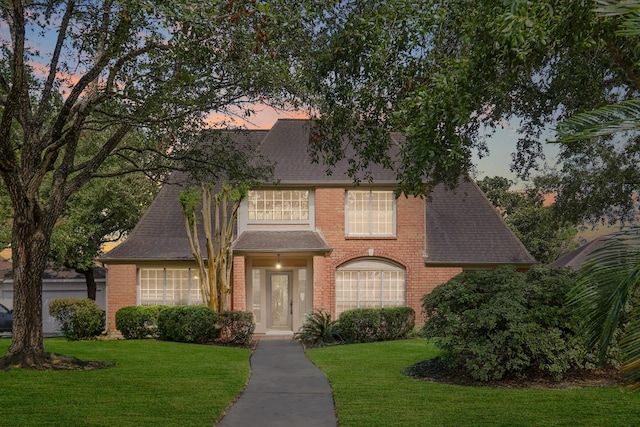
(280, 301)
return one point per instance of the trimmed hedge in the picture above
(376, 324)
(139, 322)
(188, 323)
(236, 327)
(79, 318)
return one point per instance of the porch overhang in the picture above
(302, 241)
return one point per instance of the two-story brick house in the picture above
(316, 241)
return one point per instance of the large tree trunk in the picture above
(30, 247)
(90, 279)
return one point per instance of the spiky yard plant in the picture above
(318, 329)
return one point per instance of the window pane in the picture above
(372, 288)
(381, 212)
(303, 297)
(171, 286)
(195, 297)
(285, 205)
(255, 294)
(370, 212)
(151, 286)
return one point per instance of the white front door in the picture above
(279, 300)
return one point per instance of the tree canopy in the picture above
(545, 235)
(102, 212)
(76, 78)
(448, 72)
(606, 296)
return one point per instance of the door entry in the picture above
(279, 301)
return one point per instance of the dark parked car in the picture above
(6, 319)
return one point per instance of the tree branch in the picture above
(53, 66)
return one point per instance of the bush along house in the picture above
(315, 241)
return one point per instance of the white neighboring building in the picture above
(65, 283)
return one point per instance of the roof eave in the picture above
(283, 251)
(466, 264)
(329, 183)
(141, 259)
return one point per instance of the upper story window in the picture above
(278, 205)
(370, 213)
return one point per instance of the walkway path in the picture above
(285, 389)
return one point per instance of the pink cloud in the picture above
(263, 118)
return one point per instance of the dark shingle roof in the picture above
(51, 273)
(288, 145)
(576, 258)
(160, 233)
(280, 241)
(464, 228)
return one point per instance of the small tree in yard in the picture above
(215, 270)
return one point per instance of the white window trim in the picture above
(244, 224)
(370, 234)
(282, 221)
(197, 301)
(375, 265)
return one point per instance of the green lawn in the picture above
(160, 383)
(370, 390)
(154, 384)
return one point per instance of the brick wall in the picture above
(405, 249)
(323, 292)
(121, 291)
(239, 293)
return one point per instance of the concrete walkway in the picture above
(285, 389)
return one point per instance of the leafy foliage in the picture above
(138, 322)
(79, 318)
(607, 291)
(152, 69)
(376, 324)
(103, 211)
(318, 329)
(236, 327)
(189, 324)
(501, 323)
(543, 232)
(448, 73)
(607, 297)
(219, 209)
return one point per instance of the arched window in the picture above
(369, 283)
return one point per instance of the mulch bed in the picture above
(437, 371)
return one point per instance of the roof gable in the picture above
(160, 233)
(287, 144)
(464, 227)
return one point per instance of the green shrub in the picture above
(319, 329)
(376, 324)
(138, 322)
(502, 323)
(78, 318)
(188, 323)
(236, 327)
